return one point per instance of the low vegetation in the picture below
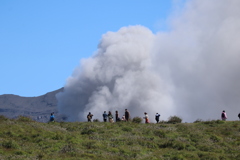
(204, 140)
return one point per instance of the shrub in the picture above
(137, 120)
(3, 118)
(24, 119)
(174, 119)
(198, 120)
(10, 144)
(96, 120)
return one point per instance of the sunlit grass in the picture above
(23, 138)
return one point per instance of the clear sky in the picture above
(42, 41)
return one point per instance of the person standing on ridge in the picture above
(127, 115)
(239, 116)
(146, 117)
(224, 115)
(89, 117)
(117, 117)
(52, 118)
(105, 116)
(110, 117)
(157, 116)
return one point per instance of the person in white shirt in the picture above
(146, 117)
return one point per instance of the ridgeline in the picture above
(24, 138)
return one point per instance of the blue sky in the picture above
(42, 41)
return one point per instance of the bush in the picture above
(3, 118)
(198, 121)
(96, 120)
(10, 144)
(174, 119)
(137, 120)
(24, 119)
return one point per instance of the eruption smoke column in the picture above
(192, 71)
(119, 76)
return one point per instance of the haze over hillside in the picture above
(38, 108)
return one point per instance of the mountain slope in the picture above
(38, 108)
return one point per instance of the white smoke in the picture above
(191, 71)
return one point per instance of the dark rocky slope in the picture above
(38, 108)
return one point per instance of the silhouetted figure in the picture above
(105, 116)
(127, 115)
(117, 117)
(110, 117)
(89, 117)
(52, 118)
(157, 116)
(146, 117)
(239, 116)
(224, 115)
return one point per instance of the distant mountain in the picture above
(38, 108)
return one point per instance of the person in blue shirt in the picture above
(52, 118)
(105, 116)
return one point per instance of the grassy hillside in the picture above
(26, 139)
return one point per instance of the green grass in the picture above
(204, 140)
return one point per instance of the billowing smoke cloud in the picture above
(192, 71)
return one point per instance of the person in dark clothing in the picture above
(105, 116)
(89, 117)
(127, 115)
(117, 117)
(239, 116)
(157, 116)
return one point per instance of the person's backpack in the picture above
(51, 118)
(223, 115)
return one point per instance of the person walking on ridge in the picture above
(105, 116)
(224, 115)
(157, 116)
(146, 117)
(89, 117)
(239, 116)
(127, 115)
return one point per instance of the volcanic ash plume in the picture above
(192, 71)
(118, 76)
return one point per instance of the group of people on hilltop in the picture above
(109, 116)
(126, 117)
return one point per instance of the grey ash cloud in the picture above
(191, 70)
